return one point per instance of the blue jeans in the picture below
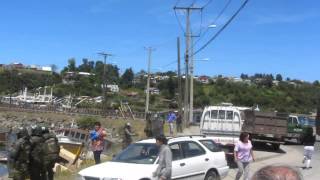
(96, 155)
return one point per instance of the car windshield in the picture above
(139, 153)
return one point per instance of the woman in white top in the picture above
(243, 155)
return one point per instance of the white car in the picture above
(193, 157)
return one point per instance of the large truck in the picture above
(297, 126)
(227, 122)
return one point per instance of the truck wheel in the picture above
(276, 147)
(211, 175)
(300, 141)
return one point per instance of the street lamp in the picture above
(191, 75)
(212, 26)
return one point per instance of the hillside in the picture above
(261, 89)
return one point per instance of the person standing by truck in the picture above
(308, 142)
(243, 155)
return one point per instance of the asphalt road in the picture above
(291, 155)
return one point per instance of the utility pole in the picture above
(149, 49)
(317, 119)
(188, 36)
(105, 55)
(179, 78)
(191, 82)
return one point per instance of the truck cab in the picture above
(297, 125)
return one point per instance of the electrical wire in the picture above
(193, 3)
(177, 2)
(220, 30)
(214, 21)
(171, 63)
(179, 22)
(206, 4)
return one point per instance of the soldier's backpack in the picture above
(51, 148)
(37, 149)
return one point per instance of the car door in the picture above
(179, 167)
(195, 160)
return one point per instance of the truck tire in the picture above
(276, 147)
(300, 140)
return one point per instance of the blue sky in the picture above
(268, 36)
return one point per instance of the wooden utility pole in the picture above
(105, 55)
(186, 117)
(179, 78)
(149, 49)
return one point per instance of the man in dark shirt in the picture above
(308, 142)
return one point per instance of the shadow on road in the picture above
(267, 148)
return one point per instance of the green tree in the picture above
(279, 77)
(72, 65)
(127, 78)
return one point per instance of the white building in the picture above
(113, 88)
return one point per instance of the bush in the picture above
(86, 122)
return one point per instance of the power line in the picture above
(223, 27)
(173, 62)
(214, 21)
(206, 4)
(179, 22)
(177, 2)
(193, 3)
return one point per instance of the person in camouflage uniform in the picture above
(18, 161)
(127, 138)
(37, 168)
(51, 150)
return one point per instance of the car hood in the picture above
(125, 171)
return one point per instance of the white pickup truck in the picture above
(227, 122)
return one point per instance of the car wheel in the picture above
(211, 175)
(276, 147)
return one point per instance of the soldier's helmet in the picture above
(45, 129)
(22, 132)
(37, 131)
(128, 124)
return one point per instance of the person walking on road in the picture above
(164, 169)
(308, 142)
(179, 123)
(171, 118)
(243, 154)
(97, 141)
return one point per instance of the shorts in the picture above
(308, 151)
